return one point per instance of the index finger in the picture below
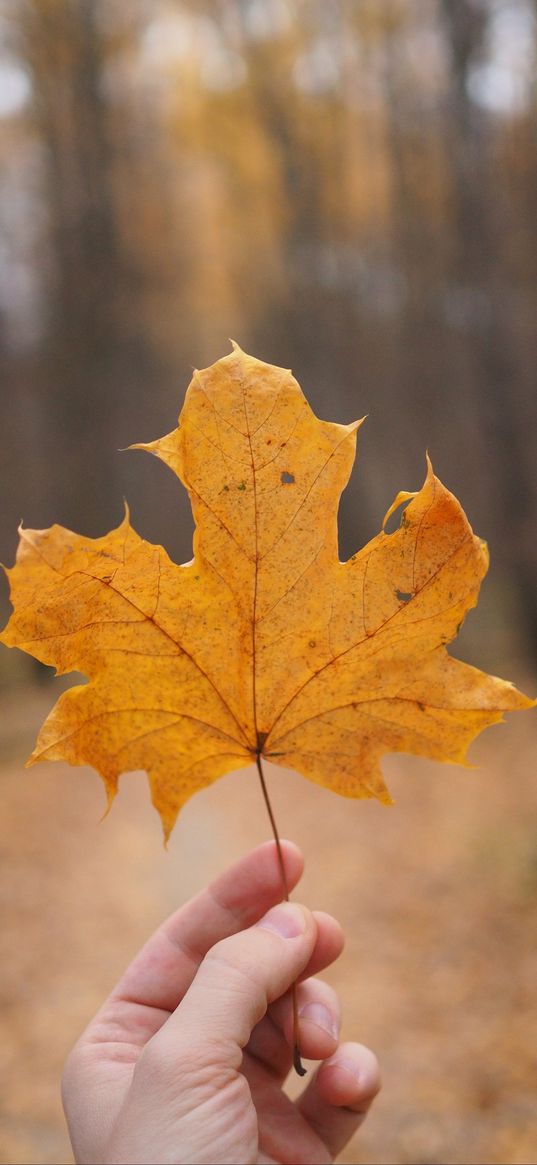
(162, 972)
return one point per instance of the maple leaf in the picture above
(265, 644)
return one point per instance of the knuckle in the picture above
(234, 963)
(238, 976)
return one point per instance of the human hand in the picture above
(186, 1059)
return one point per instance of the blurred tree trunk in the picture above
(64, 50)
(479, 272)
(421, 360)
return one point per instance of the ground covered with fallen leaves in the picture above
(438, 897)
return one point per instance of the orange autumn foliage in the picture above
(265, 644)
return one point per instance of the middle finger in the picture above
(319, 1019)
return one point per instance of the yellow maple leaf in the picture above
(265, 644)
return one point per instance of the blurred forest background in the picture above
(347, 188)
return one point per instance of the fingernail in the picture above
(320, 1015)
(287, 920)
(350, 1066)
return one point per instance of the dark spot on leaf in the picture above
(421, 706)
(287, 478)
(312, 643)
(269, 440)
(226, 488)
(242, 485)
(403, 596)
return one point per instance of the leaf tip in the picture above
(154, 447)
(146, 446)
(353, 426)
(401, 499)
(167, 811)
(110, 793)
(526, 702)
(167, 824)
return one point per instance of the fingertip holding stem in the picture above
(286, 920)
(299, 1068)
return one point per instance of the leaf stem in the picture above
(297, 1062)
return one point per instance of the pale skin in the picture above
(186, 1059)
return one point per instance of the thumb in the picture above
(235, 983)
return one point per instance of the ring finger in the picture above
(319, 1019)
